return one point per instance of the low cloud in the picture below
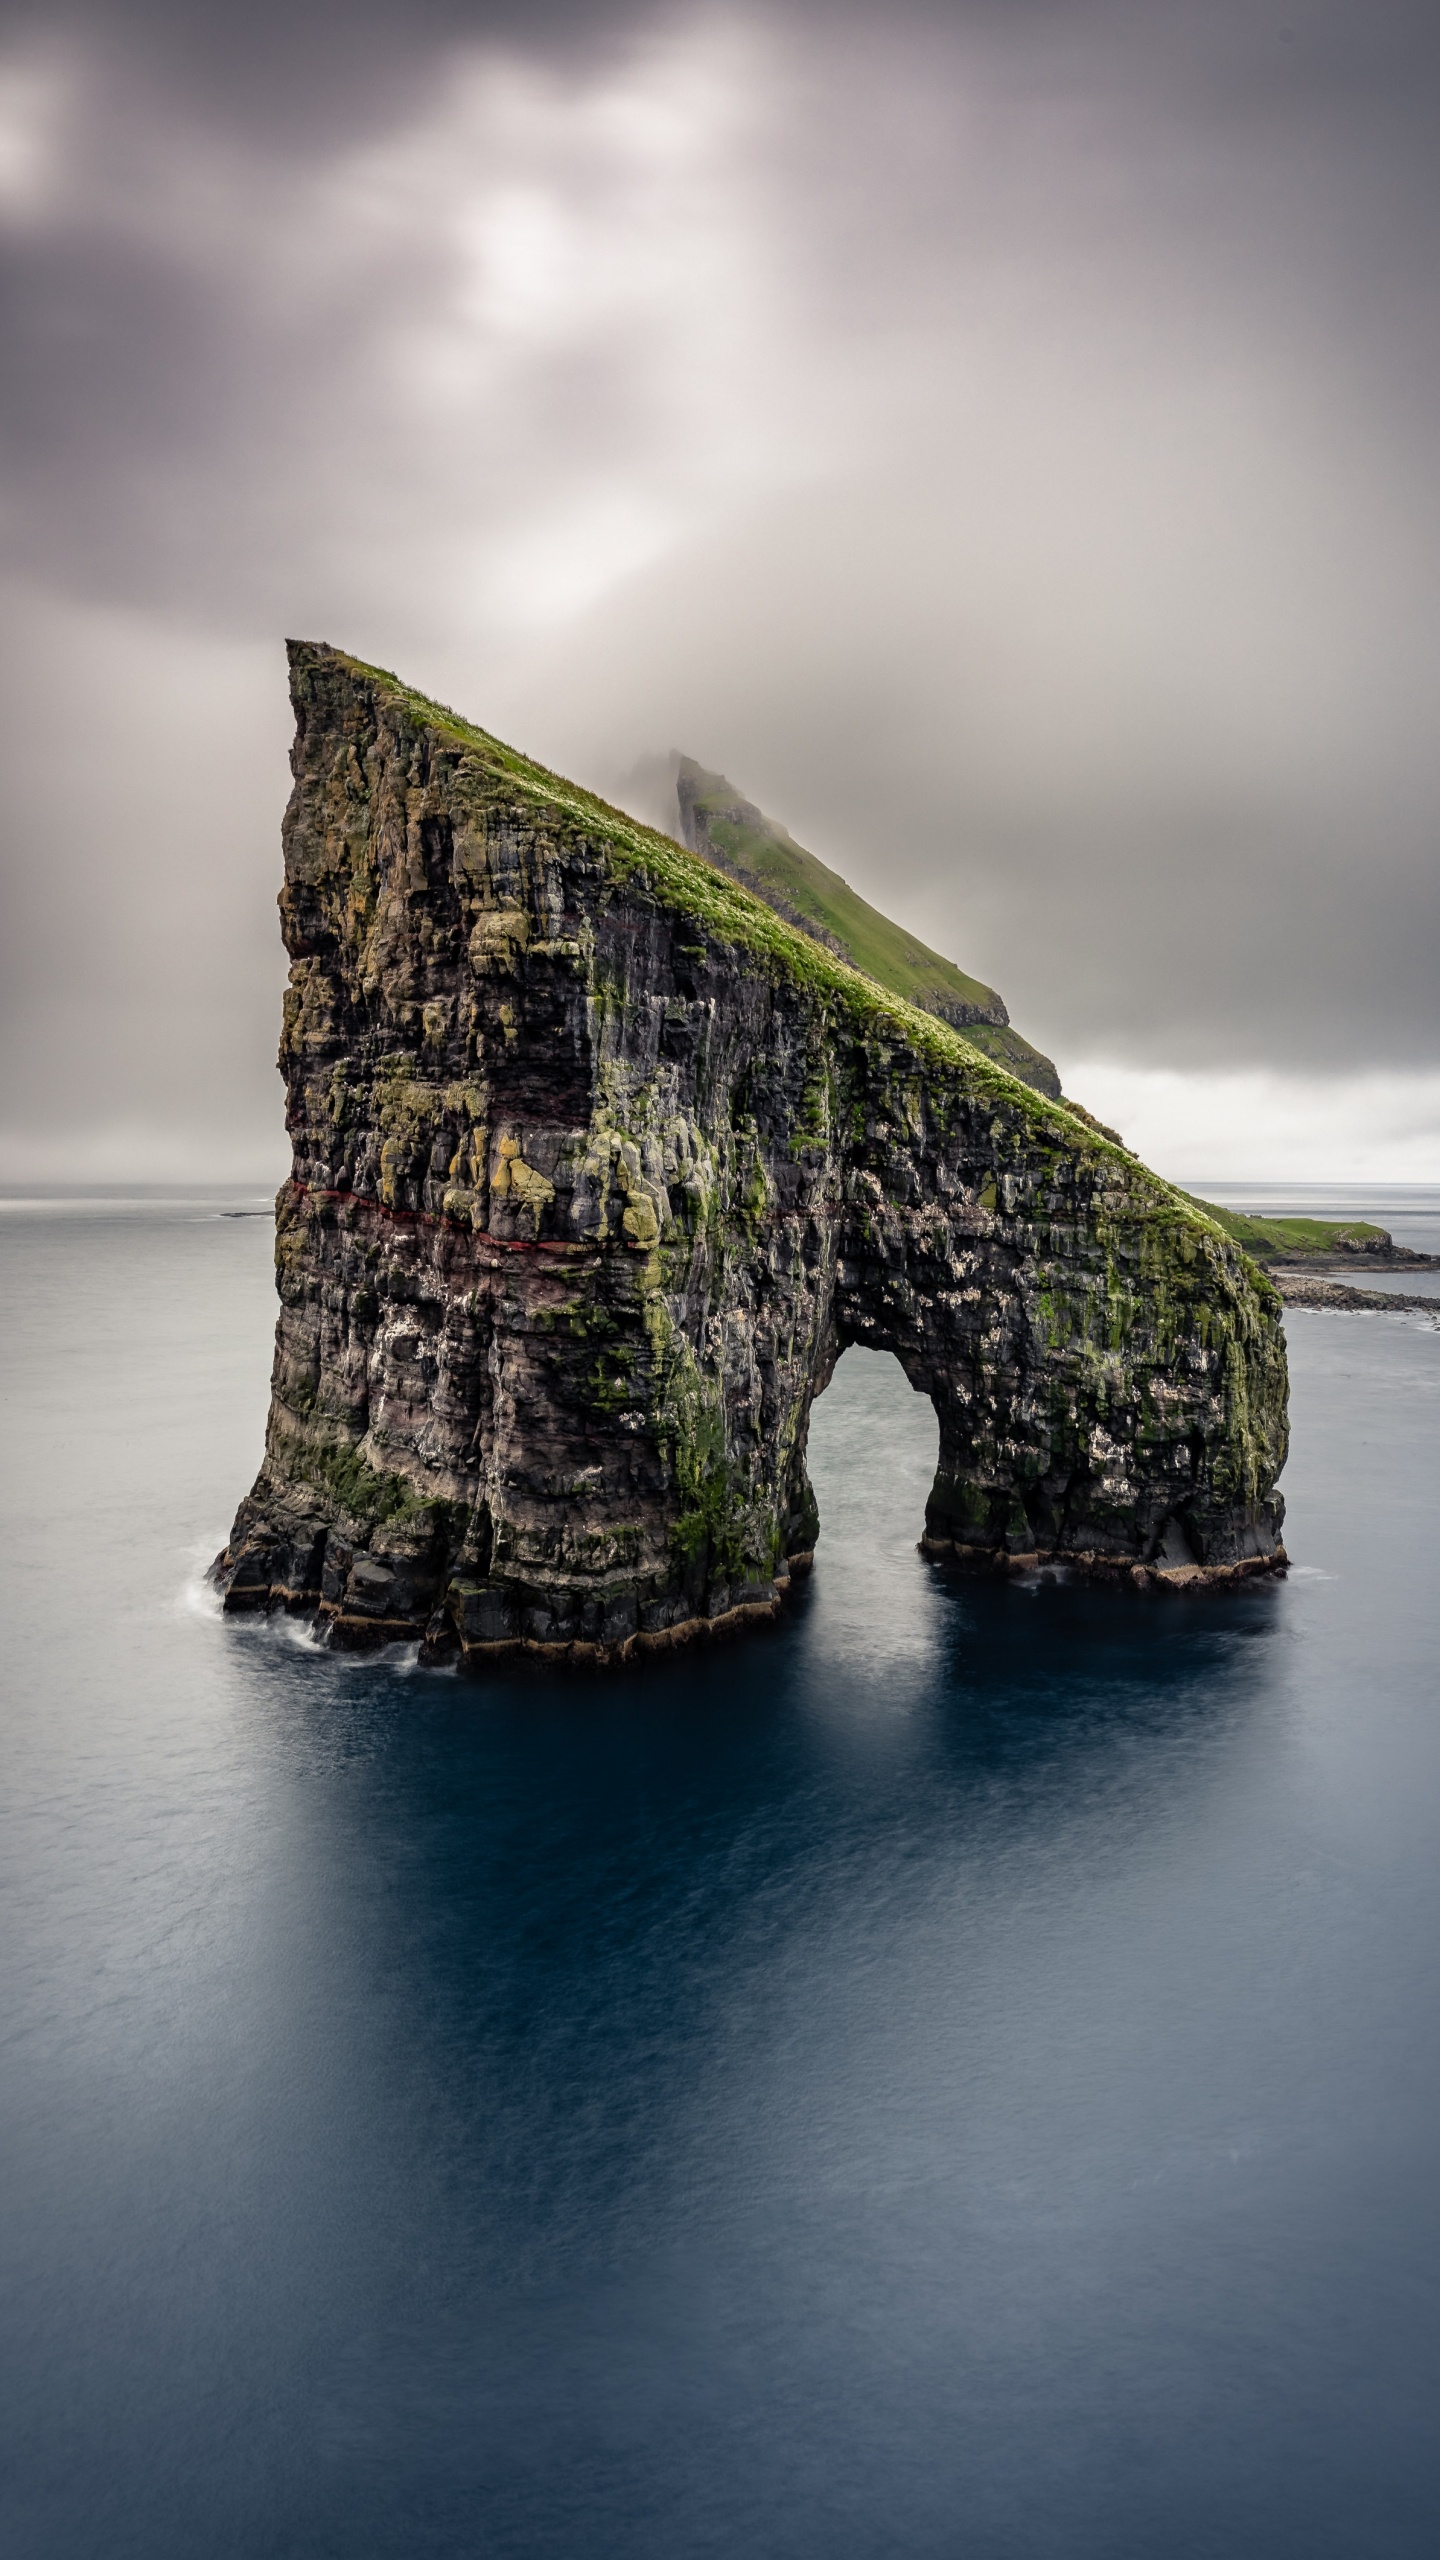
(1208, 1128)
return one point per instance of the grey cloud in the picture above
(296, 72)
(1001, 437)
(140, 969)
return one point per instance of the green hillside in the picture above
(1280, 1239)
(716, 822)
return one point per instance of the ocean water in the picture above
(957, 2075)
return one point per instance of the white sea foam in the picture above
(197, 1596)
(309, 1635)
(1035, 1577)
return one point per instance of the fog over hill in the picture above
(1001, 436)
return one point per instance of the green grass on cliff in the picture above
(689, 887)
(765, 856)
(1269, 1239)
(769, 861)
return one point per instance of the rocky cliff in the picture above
(598, 1166)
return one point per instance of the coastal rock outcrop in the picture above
(599, 1164)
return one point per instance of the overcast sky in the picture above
(1002, 437)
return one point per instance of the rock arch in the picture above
(599, 1165)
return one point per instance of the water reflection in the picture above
(729, 2053)
(951, 2073)
(605, 1946)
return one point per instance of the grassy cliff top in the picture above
(680, 880)
(1272, 1239)
(720, 824)
(692, 888)
(762, 853)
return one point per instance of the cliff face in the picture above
(599, 1165)
(737, 837)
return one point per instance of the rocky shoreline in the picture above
(1396, 1257)
(1313, 1289)
(1160, 1575)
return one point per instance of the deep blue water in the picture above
(956, 2076)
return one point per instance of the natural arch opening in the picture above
(874, 1448)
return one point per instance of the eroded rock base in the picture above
(996, 1564)
(441, 1645)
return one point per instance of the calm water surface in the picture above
(957, 2076)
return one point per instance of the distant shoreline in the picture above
(1313, 1289)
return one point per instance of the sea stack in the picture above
(599, 1164)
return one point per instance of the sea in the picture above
(955, 2077)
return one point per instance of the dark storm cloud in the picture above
(1003, 435)
(305, 72)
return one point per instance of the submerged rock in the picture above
(599, 1164)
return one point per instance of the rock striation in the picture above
(599, 1164)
